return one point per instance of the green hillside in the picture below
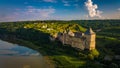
(35, 35)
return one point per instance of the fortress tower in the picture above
(90, 39)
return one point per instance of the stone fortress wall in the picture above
(79, 40)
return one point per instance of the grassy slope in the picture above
(62, 60)
(62, 56)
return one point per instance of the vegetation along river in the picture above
(16, 56)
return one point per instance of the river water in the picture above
(15, 56)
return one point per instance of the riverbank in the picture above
(55, 53)
(28, 44)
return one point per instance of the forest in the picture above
(35, 34)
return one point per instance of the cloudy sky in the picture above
(19, 10)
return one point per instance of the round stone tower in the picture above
(90, 39)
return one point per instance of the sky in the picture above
(22, 10)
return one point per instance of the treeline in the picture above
(95, 24)
(98, 24)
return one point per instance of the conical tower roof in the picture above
(89, 31)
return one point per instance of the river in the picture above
(16, 56)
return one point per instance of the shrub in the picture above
(95, 53)
(90, 56)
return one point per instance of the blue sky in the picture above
(20, 10)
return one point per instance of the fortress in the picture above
(78, 40)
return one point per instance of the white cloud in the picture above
(52, 1)
(37, 12)
(66, 3)
(30, 13)
(92, 9)
(44, 13)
